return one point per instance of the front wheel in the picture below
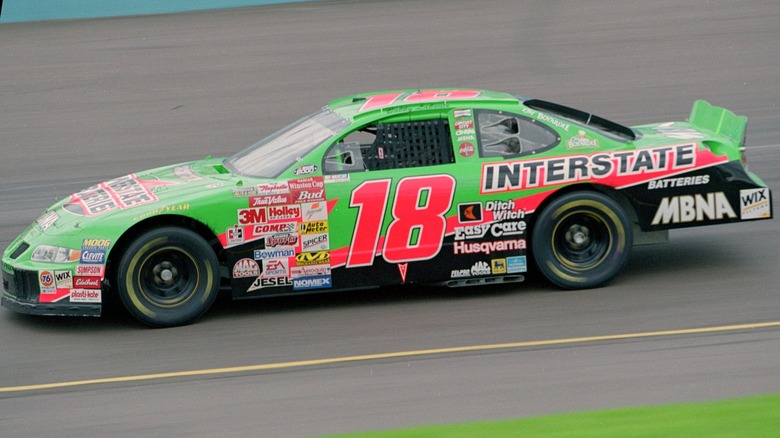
(168, 277)
(581, 240)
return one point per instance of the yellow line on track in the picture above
(379, 356)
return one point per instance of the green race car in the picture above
(450, 186)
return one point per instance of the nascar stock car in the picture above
(450, 186)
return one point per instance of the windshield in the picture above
(276, 153)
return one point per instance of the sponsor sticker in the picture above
(754, 203)
(263, 254)
(309, 271)
(306, 283)
(302, 196)
(274, 188)
(85, 296)
(480, 268)
(315, 242)
(47, 282)
(63, 279)
(276, 268)
(260, 283)
(516, 265)
(582, 141)
(265, 201)
(90, 270)
(310, 183)
(314, 227)
(498, 266)
(488, 247)
(693, 208)
(312, 258)
(281, 227)
(235, 236)
(281, 240)
(305, 169)
(470, 212)
(283, 212)
(246, 268)
(466, 149)
(314, 211)
(87, 282)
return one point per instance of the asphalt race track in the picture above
(85, 101)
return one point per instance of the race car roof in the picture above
(359, 105)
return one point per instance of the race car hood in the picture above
(136, 195)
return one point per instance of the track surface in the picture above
(84, 101)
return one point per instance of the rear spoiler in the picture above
(718, 120)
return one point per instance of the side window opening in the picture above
(392, 146)
(505, 135)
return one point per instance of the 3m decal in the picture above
(645, 164)
(693, 208)
(249, 216)
(754, 203)
(418, 226)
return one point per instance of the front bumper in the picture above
(21, 293)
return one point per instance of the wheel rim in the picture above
(168, 277)
(581, 240)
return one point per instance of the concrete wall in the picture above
(35, 10)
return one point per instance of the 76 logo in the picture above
(418, 224)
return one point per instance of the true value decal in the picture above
(618, 168)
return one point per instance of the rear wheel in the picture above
(581, 240)
(168, 277)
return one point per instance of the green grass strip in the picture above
(746, 417)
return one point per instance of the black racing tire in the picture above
(581, 240)
(168, 277)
